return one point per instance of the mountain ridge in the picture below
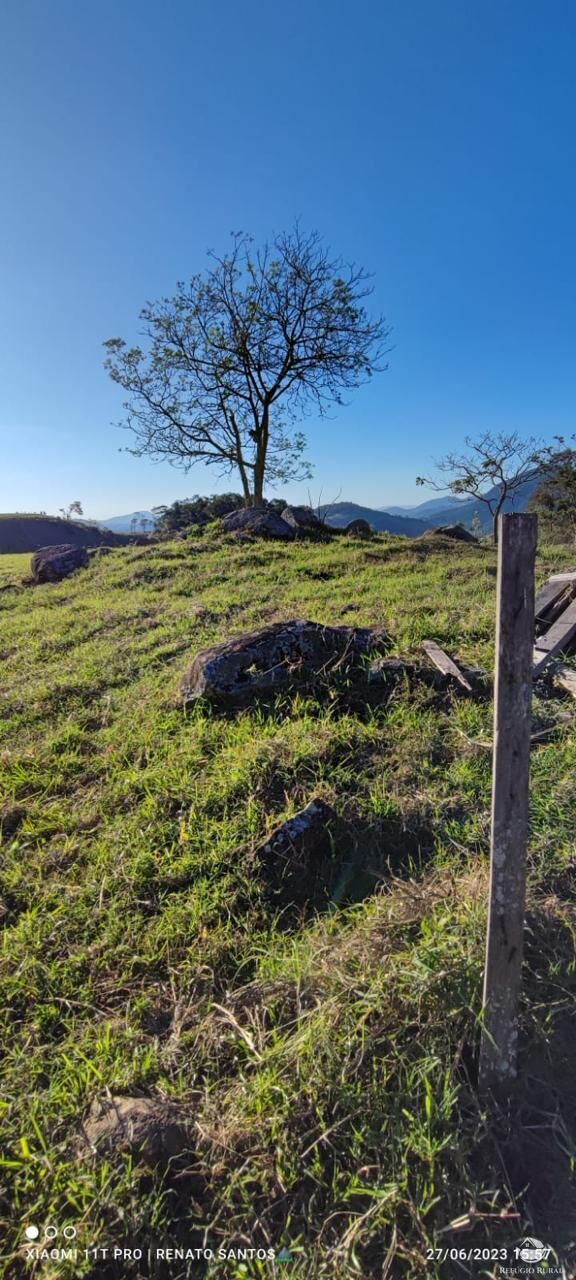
(339, 514)
(23, 532)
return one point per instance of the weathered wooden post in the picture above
(510, 799)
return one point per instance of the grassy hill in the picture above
(21, 532)
(327, 1056)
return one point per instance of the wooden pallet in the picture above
(550, 601)
(555, 618)
(556, 640)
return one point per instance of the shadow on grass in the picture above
(364, 855)
(528, 1141)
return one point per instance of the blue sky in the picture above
(433, 143)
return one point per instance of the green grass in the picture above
(327, 1056)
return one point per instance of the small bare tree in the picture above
(322, 509)
(491, 470)
(233, 361)
(75, 509)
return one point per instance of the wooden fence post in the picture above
(510, 799)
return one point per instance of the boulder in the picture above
(260, 662)
(51, 564)
(149, 1129)
(456, 531)
(294, 854)
(359, 529)
(303, 520)
(257, 520)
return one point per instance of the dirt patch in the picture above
(150, 1129)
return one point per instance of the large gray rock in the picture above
(256, 663)
(257, 520)
(359, 529)
(303, 520)
(149, 1129)
(51, 564)
(456, 531)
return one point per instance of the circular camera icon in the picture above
(50, 1232)
(32, 1232)
(69, 1233)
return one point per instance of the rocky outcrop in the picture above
(285, 654)
(260, 521)
(303, 520)
(456, 531)
(149, 1129)
(389, 671)
(359, 529)
(51, 564)
(294, 855)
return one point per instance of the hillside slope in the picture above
(323, 1052)
(21, 532)
(339, 514)
(421, 510)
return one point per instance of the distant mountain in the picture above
(339, 514)
(425, 509)
(407, 521)
(131, 523)
(464, 510)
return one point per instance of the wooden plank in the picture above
(555, 610)
(563, 577)
(566, 678)
(547, 596)
(510, 797)
(556, 640)
(445, 664)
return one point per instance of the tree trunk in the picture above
(248, 499)
(260, 464)
(495, 527)
(240, 462)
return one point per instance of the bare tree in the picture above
(322, 509)
(491, 470)
(237, 356)
(75, 509)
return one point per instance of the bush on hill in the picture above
(189, 512)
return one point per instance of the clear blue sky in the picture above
(432, 142)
